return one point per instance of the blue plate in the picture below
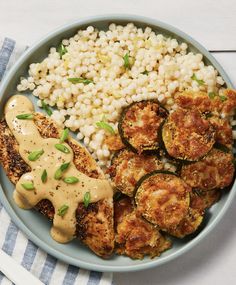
(35, 226)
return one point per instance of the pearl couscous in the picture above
(96, 73)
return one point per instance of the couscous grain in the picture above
(156, 67)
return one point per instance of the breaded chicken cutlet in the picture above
(94, 223)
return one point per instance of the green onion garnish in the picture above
(58, 174)
(62, 50)
(34, 155)
(62, 148)
(28, 186)
(75, 80)
(127, 63)
(25, 116)
(59, 171)
(64, 135)
(199, 81)
(212, 95)
(71, 180)
(145, 72)
(105, 126)
(64, 166)
(62, 210)
(44, 176)
(208, 115)
(223, 98)
(46, 108)
(87, 198)
(117, 196)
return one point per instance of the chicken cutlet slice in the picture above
(94, 223)
(10, 158)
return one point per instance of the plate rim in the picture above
(20, 223)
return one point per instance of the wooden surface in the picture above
(210, 22)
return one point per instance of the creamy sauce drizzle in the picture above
(57, 191)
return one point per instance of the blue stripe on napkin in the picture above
(30, 254)
(10, 239)
(70, 276)
(48, 268)
(1, 277)
(5, 54)
(94, 278)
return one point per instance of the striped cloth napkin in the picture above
(45, 267)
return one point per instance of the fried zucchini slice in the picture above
(229, 102)
(163, 199)
(224, 134)
(188, 225)
(122, 208)
(216, 170)
(128, 167)
(187, 135)
(206, 102)
(114, 142)
(193, 100)
(135, 237)
(139, 125)
(202, 200)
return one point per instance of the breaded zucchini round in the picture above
(187, 135)
(202, 200)
(188, 225)
(216, 170)
(139, 125)
(128, 167)
(163, 199)
(224, 134)
(194, 100)
(134, 236)
(206, 102)
(122, 208)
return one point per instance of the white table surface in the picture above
(212, 23)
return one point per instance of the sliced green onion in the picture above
(59, 171)
(145, 72)
(75, 80)
(34, 155)
(64, 166)
(223, 98)
(64, 135)
(62, 50)
(105, 126)
(71, 180)
(62, 210)
(25, 116)
(28, 186)
(44, 176)
(117, 196)
(208, 115)
(62, 148)
(199, 81)
(46, 108)
(87, 198)
(198, 192)
(212, 95)
(127, 61)
(58, 174)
